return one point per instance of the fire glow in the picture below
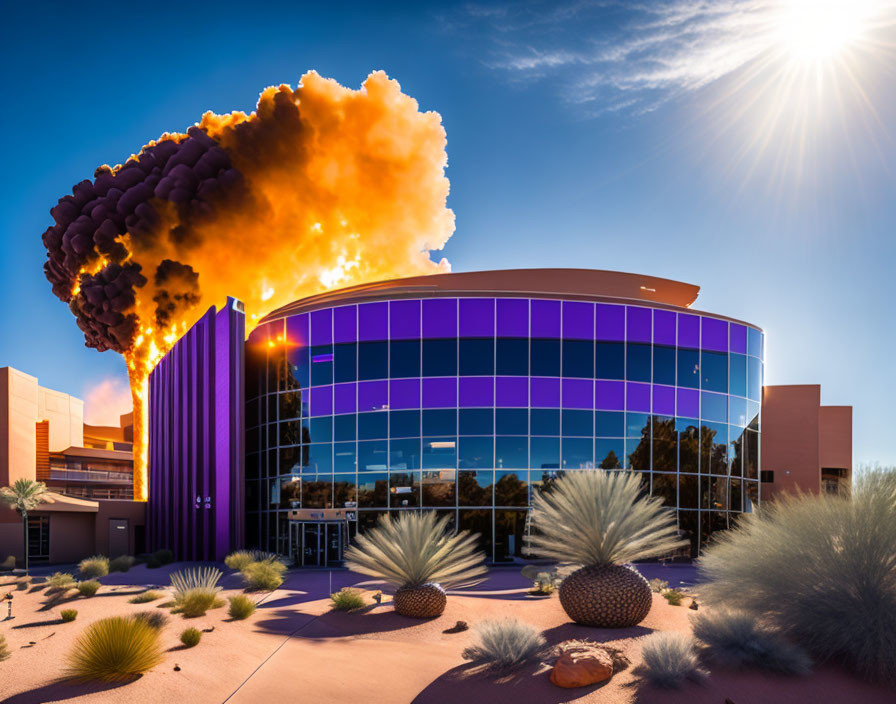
(321, 186)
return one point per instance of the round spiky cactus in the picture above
(599, 520)
(417, 554)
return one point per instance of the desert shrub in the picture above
(735, 639)
(196, 602)
(241, 558)
(670, 659)
(88, 588)
(241, 607)
(347, 599)
(96, 566)
(504, 644)
(145, 597)
(658, 585)
(4, 649)
(191, 637)
(159, 558)
(68, 615)
(114, 649)
(673, 596)
(153, 619)
(820, 570)
(122, 563)
(9, 564)
(544, 580)
(195, 590)
(266, 575)
(60, 582)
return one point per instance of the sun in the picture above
(811, 32)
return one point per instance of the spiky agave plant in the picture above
(598, 521)
(417, 554)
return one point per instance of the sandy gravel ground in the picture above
(294, 649)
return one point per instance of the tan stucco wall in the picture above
(66, 416)
(18, 415)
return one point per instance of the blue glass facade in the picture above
(469, 405)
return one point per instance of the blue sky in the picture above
(675, 139)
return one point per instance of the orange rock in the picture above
(582, 665)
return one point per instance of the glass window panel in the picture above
(440, 357)
(705, 494)
(638, 450)
(635, 424)
(317, 492)
(578, 423)
(475, 453)
(404, 359)
(608, 454)
(751, 495)
(512, 488)
(345, 362)
(290, 405)
(320, 457)
(476, 421)
(404, 424)
(373, 490)
(714, 369)
(511, 451)
(687, 491)
(511, 421)
(372, 455)
(578, 453)
(637, 358)
(290, 432)
(404, 454)
(404, 489)
(477, 357)
(345, 491)
(689, 368)
(665, 445)
(544, 453)
(512, 356)
(344, 427)
(754, 379)
(510, 529)
(545, 421)
(714, 448)
(751, 455)
(610, 360)
(344, 457)
(478, 522)
(718, 493)
(321, 365)
(440, 422)
(738, 368)
(545, 357)
(299, 362)
(372, 425)
(714, 407)
(735, 450)
(474, 488)
(664, 365)
(735, 495)
(578, 359)
(289, 460)
(754, 342)
(373, 360)
(665, 486)
(439, 487)
(609, 424)
(321, 429)
(688, 444)
(439, 453)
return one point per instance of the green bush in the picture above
(196, 602)
(544, 580)
(347, 599)
(114, 649)
(68, 615)
(191, 637)
(4, 649)
(88, 588)
(145, 597)
(122, 563)
(239, 559)
(154, 619)
(658, 585)
(159, 558)
(96, 566)
(505, 644)
(60, 582)
(670, 659)
(673, 596)
(734, 639)
(241, 607)
(266, 575)
(820, 570)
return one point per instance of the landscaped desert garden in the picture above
(796, 605)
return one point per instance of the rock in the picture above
(580, 665)
(694, 606)
(459, 627)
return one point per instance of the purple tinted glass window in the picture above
(639, 323)
(372, 321)
(688, 330)
(714, 334)
(316, 358)
(688, 403)
(512, 391)
(610, 322)
(345, 324)
(344, 398)
(440, 392)
(578, 393)
(404, 393)
(637, 397)
(404, 320)
(297, 330)
(477, 391)
(609, 395)
(322, 327)
(512, 317)
(664, 400)
(372, 395)
(477, 317)
(738, 338)
(440, 317)
(663, 327)
(322, 400)
(263, 333)
(578, 320)
(545, 318)
(545, 392)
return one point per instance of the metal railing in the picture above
(90, 475)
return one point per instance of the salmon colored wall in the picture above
(789, 439)
(71, 536)
(835, 437)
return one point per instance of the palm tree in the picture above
(598, 521)
(24, 495)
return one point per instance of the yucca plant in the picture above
(505, 644)
(416, 553)
(820, 569)
(598, 521)
(195, 590)
(114, 649)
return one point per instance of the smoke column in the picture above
(320, 187)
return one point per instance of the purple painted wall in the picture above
(196, 440)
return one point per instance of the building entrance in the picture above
(318, 539)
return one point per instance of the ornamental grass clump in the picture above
(153, 619)
(505, 644)
(68, 615)
(820, 570)
(347, 599)
(4, 649)
(264, 575)
(195, 590)
(241, 607)
(114, 649)
(122, 563)
(417, 554)
(673, 596)
(92, 567)
(600, 520)
(191, 637)
(145, 597)
(88, 588)
(670, 659)
(735, 639)
(239, 559)
(60, 582)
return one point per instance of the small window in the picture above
(767, 476)
(345, 362)
(404, 424)
(610, 360)
(664, 365)
(477, 357)
(372, 425)
(545, 357)
(511, 421)
(440, 357)
(405, 359)
(513, 356)
(372, 360)
(689, 368)
(578, 359)
(476, 421)
(440, 422)
(545, 421)
(638, 362)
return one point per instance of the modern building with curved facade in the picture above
(467, 393)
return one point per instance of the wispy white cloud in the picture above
(106, 401)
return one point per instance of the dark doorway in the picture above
(119, 543)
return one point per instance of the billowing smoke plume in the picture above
(320, 187)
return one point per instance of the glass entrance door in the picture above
(317, 544)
